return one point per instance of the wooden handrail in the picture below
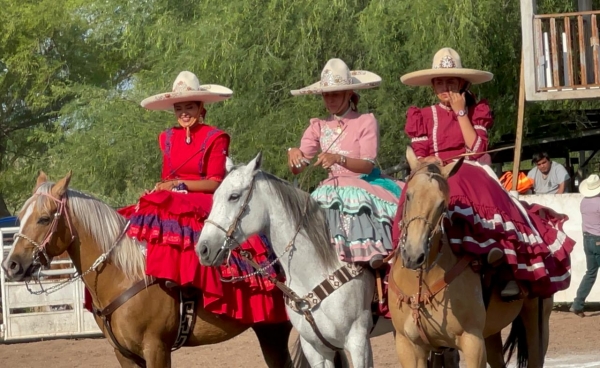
(560, 15)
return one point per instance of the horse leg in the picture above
(493, 347)
(125, 362)
(273, 339)
(358, 345)
(530, 315)
(157, 355)
(473, 348)
(409, 354)
(315, 358)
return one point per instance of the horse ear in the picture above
(41, 179)
(256, 163)
(411, 158)
(229, 164)
(451, 169)
(59, 189)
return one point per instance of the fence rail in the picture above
(31, 317)
(566, 51)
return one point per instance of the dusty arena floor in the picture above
(573, 343)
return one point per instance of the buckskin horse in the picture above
(140, 317)
(440, 302)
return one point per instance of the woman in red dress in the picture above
(486, 219)
(170, 217)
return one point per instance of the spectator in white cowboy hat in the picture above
(590, 223)
(486, 220)
(360, 202)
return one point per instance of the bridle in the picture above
(40, 248)
(62, 208)
(230, 243)
(434, 229)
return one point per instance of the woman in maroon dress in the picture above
(486, 219)
(170, 217)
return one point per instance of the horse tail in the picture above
(299, 359)
(517, 339)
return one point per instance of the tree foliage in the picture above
(73, 74)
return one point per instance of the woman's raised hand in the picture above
(457, 101)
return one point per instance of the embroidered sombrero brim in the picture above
(424, 77)
(361, 79)
(209, 93)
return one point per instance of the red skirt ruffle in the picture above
(483, 216)
(170, 224)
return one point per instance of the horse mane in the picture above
(104, 224)
(307, 212)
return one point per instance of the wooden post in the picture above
(520, 119)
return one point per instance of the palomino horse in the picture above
(145, 321)
(335, 310)
(436, 299)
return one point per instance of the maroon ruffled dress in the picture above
(170, 223)
(482, 213)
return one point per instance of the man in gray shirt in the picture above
(549, 177)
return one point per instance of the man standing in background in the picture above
(549, 177)
(590, 223)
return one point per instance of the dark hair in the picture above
(540, 156)
(354, 99)
(470, 97)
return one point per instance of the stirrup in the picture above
(511, 292)
(495, 256)
(376, 261)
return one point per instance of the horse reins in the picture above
(422, 298)
(300, 304)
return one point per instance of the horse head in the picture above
(45, 230)
(426, 204)
(230, 223)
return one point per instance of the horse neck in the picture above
(440, 254)
(302, 268)
(108, 281)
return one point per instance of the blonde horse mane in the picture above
(104, 225)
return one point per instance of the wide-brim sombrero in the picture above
(336, 76)
(187, 88)
(446, 63)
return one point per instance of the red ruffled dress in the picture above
(170, 224)
(482, 212)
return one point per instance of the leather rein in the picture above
(425, 293)
(305, 304)
(105, 314)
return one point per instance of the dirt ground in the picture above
(573, 343)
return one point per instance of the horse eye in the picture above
(44, 220)
(234, 197)
(408, 196)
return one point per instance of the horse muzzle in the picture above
(412, 260)
(17, 270)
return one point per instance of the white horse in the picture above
(251, 201)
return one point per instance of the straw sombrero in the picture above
(446, 63)
(590, 187)
(187, 88)
(336, 76)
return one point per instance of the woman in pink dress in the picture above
(485, 219)
(359, 201)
